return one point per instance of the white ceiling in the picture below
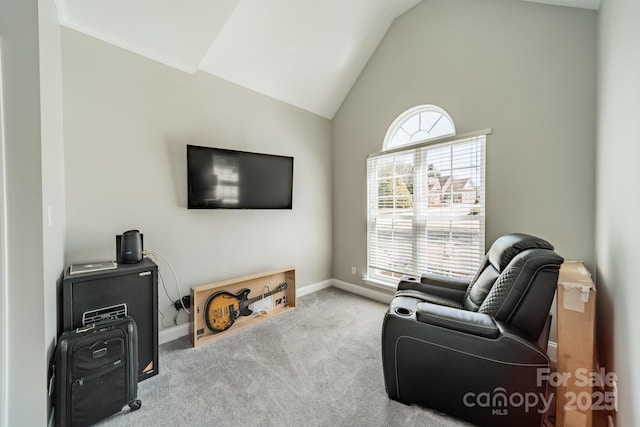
(307, 53)
(582, 4)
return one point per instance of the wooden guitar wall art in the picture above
(223, 308)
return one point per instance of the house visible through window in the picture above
(426, 201)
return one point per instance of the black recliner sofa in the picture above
(476, 350)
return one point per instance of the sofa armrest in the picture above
(470, 322)
(441, 286)
(443, 281)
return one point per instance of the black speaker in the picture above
(129, 247)
(130, 289)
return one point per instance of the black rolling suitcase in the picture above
(96, 372)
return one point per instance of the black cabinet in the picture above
(133, 287)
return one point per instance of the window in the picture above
(426, 201)
(419, 124)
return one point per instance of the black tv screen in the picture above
(230, 179)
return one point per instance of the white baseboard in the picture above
(370, 293)
(552, 352)
(175, 332)
(314, 287)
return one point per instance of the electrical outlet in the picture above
(186, 302)
(353, 271)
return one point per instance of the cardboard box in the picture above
(576, 311)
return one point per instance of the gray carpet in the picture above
(317, 365)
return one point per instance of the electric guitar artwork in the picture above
(223, 308)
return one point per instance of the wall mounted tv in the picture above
(229, 179)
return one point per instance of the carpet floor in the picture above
(317, 365)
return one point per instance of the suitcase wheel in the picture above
(135, 405)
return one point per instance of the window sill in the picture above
(377, 283)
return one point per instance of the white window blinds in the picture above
(426, 210)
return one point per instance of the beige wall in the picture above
(53, 200)
(127, 122)
(525, 70)
(618, 202)
(32, 100)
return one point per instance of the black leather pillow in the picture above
(506, 247)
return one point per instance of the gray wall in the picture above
(618, 201)
(53, 197)
(127, 122)
(33, 131)
(526, 70)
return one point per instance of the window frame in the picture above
(403, 118)
(420, 148)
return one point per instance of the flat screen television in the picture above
(230, 179)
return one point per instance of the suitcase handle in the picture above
(85, 328)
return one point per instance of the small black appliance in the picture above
(129, 247)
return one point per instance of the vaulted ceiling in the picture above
(307, 53)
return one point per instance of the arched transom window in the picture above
(419, 124)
